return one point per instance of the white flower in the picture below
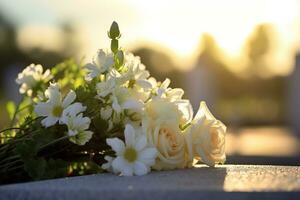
(161, 124)
(186, 110)
(72, 110)
(77, 128)
(108, 165)
(133, 157)
(136, 74)
(31, 77)
(101, 63)
(105, 88)
(106, 112)
(163, 109)
(163, 90)
(122, 99)
(205, 138)
(167, 138)
(54, 107)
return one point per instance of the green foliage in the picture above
(11, 109)
(34, 152)
(40, 168)
(27, 149)
(68, 74)
(35, 167)
(119, 58)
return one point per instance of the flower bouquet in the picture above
(107, 115)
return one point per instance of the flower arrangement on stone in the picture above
(109, 115)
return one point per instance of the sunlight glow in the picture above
(175, 24)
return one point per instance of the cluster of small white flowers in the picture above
(160, 130)
(31, 77)
(56, 109)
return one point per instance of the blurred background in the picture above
(241, 57)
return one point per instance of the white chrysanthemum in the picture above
(54, 107)
(31, 77)
(77, 128)
(101, 63)
(133, 157)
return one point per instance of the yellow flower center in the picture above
(57, 110)
(131, 83)
(130, 154)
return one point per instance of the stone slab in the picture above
(202, 182)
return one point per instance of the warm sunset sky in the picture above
(176, 24)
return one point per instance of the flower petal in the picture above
(141, 143)
(71, 96)
(140, 168)
(116, 144)
(120, 165)
(53, 94)
(129, 135)
(204, 112)
(43, 109)
(49, 121)
(116, 106)
(148, 156)
(144, 84)
(204, 158)
(132, 104)
(73, 109)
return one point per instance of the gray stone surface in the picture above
(226, 182)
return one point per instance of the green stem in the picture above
(10, 163)
(16, 111)
(25, 107)
(11, 128)
(10, 158)
(54, 141)
(14, 168)
(31, 121)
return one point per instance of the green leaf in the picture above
(35, 168)
(99, 123)
(120, 57)
(27, 149)
(56, 168)
(11, 109)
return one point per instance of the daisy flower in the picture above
(54, 107)
(77, 129)
(101, 63)
(133, 156)
(108, 166)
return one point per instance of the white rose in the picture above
(161, 124)
(205, 138)
(167, 138)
